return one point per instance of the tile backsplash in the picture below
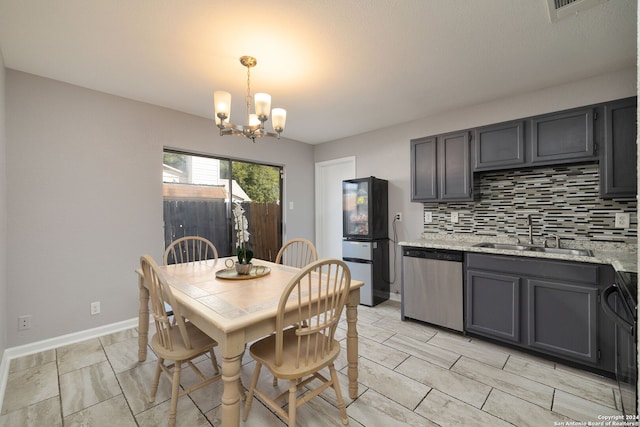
(562, 200)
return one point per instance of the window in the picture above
(199, 193)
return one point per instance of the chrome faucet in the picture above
(530, 224)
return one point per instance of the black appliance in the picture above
(365, 246)
(619, 302)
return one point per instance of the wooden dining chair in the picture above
(312, 302)
(297, 253)
(177, 340)
(188, 249)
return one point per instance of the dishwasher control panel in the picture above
(429, 253)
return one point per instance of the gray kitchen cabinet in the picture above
(541, 305)
(618, 166)
(441, 168)
(493, 305)
(424, 161)
(499, 146)
(562, 319)
(454, 166)
(563, 137)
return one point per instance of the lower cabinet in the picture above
(493, 305)
(562, 319)
(545, 306)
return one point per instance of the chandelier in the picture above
(254, 127)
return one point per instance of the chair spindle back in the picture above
(188, 249)
(318, 294)
(297, 253)
(159, 293)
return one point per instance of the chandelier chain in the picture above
(248, 90)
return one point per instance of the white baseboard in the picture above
(48, 344)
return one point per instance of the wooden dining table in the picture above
(235, 311)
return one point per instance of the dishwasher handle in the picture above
(432, 253)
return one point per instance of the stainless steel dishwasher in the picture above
(432, 286)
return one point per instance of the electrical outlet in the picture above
(454, 217)
(428, 217)
(24, 322)
(398, 217)
(622, 220)
(95, 308)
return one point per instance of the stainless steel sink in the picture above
(563, 251)
(506, 246)
(515, 247)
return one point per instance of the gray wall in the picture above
(84, 198)
(385, 153)
(3, 213)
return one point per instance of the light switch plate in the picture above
(454, 217)
(622, 220)
(428, 217)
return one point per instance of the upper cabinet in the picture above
(454, 166)
(618, 165)
(499, 146)
(441, 168)
(562, 137)
(424, 170)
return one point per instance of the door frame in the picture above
(336, 170)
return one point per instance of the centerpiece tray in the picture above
(232, 274)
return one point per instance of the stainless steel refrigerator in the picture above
(365, 245)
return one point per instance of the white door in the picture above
(329, 177)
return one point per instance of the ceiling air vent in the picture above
(559, 9)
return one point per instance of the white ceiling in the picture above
(340, 68)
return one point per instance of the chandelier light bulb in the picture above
(263, 104)
(222, 104)
(278, 119)
(253, 120)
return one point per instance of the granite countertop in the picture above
(623, 257)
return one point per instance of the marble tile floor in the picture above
(409, 374)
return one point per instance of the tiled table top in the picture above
(229, 298)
